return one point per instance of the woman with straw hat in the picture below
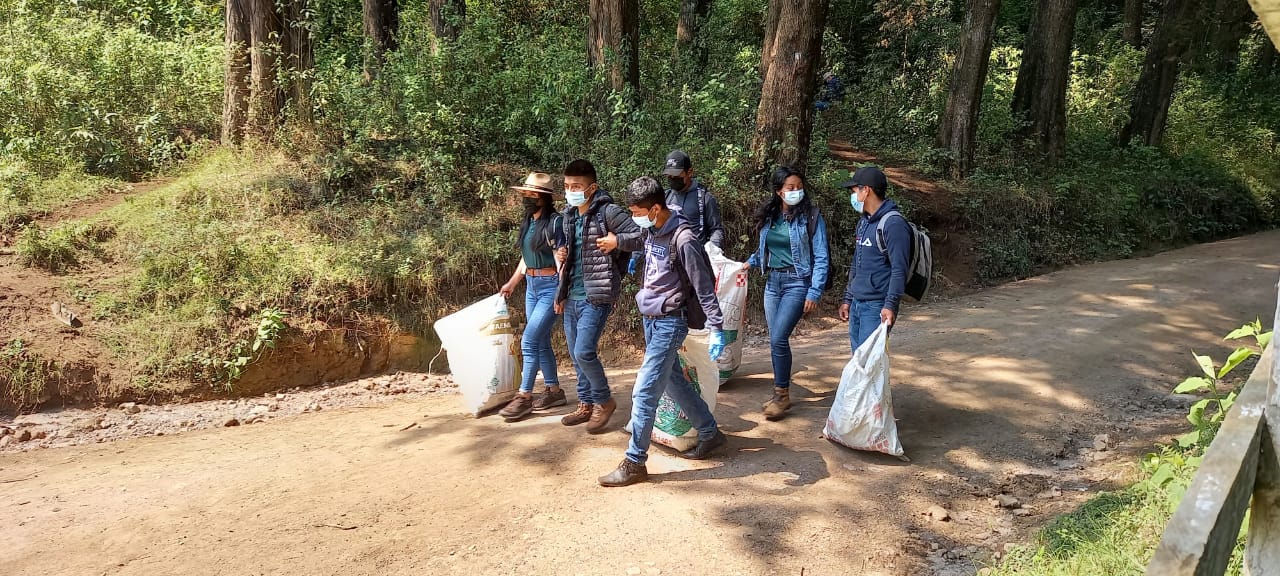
(540, 235)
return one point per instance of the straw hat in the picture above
(536, 182)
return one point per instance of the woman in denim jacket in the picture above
(792, 253)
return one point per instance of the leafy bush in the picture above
(112, 100)
(59, 248)
(24, 375)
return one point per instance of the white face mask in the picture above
(643, 221)
(575, 199)
(793, 197)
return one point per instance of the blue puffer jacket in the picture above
(812, 260)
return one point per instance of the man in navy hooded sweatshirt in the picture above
(881, 257)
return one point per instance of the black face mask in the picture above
(676, 183)
(532, 205)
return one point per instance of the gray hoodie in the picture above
(664, 290)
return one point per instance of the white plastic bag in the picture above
(484, 353)
(731, 291)
(862, 415)
(670, 426)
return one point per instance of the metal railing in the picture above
(1240, 472)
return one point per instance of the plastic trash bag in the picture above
(484, 353)
(862, 415)
(731, 291)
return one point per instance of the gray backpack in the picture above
(920, 268)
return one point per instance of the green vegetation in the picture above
(1117, 532)
(379, 196)
(60, 248)
(23, 375)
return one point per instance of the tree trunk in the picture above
(770, 34)
(266, 99)
(691, 47)
(299, 59)
(1133, 22)
(1154, 92)
(235, 101)
(959, 128)
(1230, 25)
(613, 40)
(1266, 55)
(381, 21)
(447, 17)
(784, 121)
(1040, 93)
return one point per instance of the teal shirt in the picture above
(535, 259)
(577, 289)
(778, 241)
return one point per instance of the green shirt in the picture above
(577, 289)
(535, 259)
(778, 241)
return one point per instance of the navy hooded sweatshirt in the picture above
(877, 275)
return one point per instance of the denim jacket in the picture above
(811, 257)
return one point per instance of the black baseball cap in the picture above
(677, 162)
(868, 176)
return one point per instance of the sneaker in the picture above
(550, 399)
(600, 415)
(626, 474)
(518, 407)
(705, 447)
(579, 416)
(778, 405)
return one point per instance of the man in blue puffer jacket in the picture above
(878, 274)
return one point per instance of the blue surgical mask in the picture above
(793, 197)
(857, 204)
(643, 221)
(575, 198)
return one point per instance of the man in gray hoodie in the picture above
(678, 293)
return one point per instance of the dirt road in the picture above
(996, 392)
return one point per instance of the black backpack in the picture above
(620, 257)
(696, 316)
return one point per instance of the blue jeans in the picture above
(583, 324)
(660, 372)
(864, 318)
(535, 345)
(783, 306)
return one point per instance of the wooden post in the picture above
(1262, 552)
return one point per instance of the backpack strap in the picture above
(880, 229)
(702, 208)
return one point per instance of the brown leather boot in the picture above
(626, 474)
(518, 407)
(550, 399)
(778, 405)
(600, 415)
(579, 416)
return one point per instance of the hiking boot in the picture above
(550, 399)
(518, 407)
(705, 447)
(778, 405)
(626, 474)
(579, 416)
(600, 415)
